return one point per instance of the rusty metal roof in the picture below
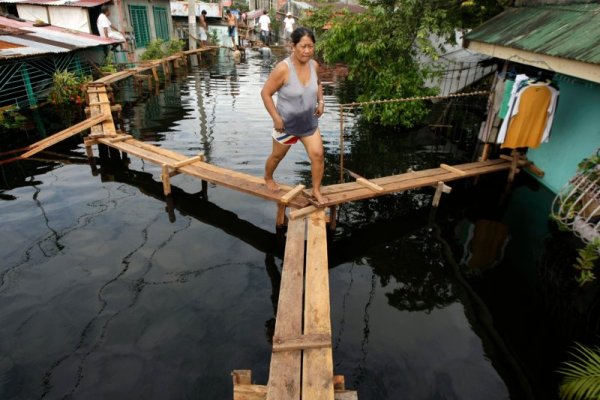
(570, 31)
(69, 3)
(23, 39)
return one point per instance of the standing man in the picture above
(105, 26)
(203, 29)
(265, 26)
(231, 24)
(288, 24)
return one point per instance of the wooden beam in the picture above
(452, 169)
(285, 199)
(166, 179)
(301, 342)
(368, 184)
(64, 134)
(317, 364)
(280, 218)
(302, 212)
(120, 138)
(284, 374)
(189, 161)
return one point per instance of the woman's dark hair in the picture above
(299, 33)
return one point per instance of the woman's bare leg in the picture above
(314, 148)
(279, 151)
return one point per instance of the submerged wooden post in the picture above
(332, 217)
(281, 218)
(166, 179)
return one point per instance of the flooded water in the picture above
(109, 292)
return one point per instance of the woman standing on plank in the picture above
(299, 106)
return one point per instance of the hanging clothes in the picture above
(530, 116)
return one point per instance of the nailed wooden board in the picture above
(317, 364)
(62, 135)
(284, 375)
(232, 179)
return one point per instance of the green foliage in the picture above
(581, 377)
(68, 88)
(107, 65)
(317, 19)
(174, 46)
(382, 50)
(158, 49)
(590, 166)
(11, 119)
(213, 38)
(586, 261)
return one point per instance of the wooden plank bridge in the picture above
(301, 361)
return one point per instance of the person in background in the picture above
(289, 22)
(299, 106)
(203, 29)
(264, 22)
(231, 25)
(105, 26)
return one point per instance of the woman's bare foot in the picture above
(271, 185)
(322, 200)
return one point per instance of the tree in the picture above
(384, 49)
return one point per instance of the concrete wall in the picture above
(575, 133)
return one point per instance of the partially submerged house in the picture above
(30, 55)
(143, 21)
(562, 41)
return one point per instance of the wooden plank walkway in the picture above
(301, 361)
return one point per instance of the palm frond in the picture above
(581, 376)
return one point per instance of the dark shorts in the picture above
(231, 31)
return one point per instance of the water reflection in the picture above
(111, 291)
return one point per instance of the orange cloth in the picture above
(526, 128)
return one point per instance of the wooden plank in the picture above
(166, 180)
(317, 365)
(452, 169)
(249, 392)
(284, 374)
(302, 212)
(301, 342)
(120, 138)
(64, 134)
(285, 199)
(189, 161)
(242, 377)
(368, 184)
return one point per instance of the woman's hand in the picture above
(278, 124)
(320, 109)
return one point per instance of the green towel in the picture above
(507, 90)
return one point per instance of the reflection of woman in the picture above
(299, 105)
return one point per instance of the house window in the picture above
(139, 21)
(161, 23)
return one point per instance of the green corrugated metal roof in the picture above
(567, 30)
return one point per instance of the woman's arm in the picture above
(275, 81)
(320, 103)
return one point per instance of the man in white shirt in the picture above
(105, 26)
(264, 23)
(288, 24)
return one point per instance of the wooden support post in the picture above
(441, 188)
(339, 382)
(332, 217)
(450, 168)
(286, 198)
(280, 220)
(166, 179)
(513, 166)
(155, 75)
